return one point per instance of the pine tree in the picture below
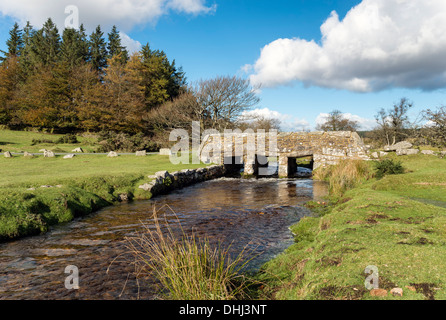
(14, 43)
(73, 48)
(98, 50)
(49, 48)
(114, 46)
(84, 43)
(26, 55)
(162, 80)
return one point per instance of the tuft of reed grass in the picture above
(186, 267)
(345, 175)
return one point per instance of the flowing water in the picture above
(239, 212)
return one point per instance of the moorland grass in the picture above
(187, 267)
(79, 186)
(375, 223)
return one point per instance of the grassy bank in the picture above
(38, 192)
(397, 223)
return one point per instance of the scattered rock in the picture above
(375, 155)
(404, 152)
(123, 197)
(411, 288)
(378, 293)
(31, 189)
(69, 156)
(397, 292)
(7, 154)
(27, 154)
(112, 154)
(43, 150)
(165, 152)
(428, 152)
(141, 153)
(146, 186)
(77, 150)
(383, 154)
(46, 186)
(49, 154)
(162, 174)
(399, 146)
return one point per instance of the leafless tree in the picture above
(393, 124)
(336, 121)
(435, 130)
(222, 100)
(257, 122)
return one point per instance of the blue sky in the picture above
(358, 66)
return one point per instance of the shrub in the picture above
(39, 141)
(123, 142)
(388, 166)
(68, 138)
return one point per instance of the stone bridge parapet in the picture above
(326, 148)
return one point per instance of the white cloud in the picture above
(379, 44)
(364, 123)
(287, 123)
(125, 14)
(131, 45)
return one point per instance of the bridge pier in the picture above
(287, 166)
(252, 164)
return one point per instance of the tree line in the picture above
(73, 82)
(394, 125)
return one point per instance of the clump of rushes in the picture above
(186, 267)
(345, 175)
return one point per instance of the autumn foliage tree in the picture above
(73, 82)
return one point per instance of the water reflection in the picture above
(254, 212)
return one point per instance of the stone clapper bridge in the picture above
(251, 151)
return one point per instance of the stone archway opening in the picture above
(291, 166)
(233, 165)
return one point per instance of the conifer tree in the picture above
(98, 50)
(26, 55)
(115, 47)
(73, 48)
(14, 43)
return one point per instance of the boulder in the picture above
(404, 152)
(27, 154)
(378, 293)
(123, 197)
(165, 152)
(374, 155)
(69, 156)
(112, 154)
(42, 150)
(7, 154)
(383, 154)
(398, 146)
(428, 152)
(77, 150)
(49, 154)
(146, 186)
(141, 153)
(397, 292)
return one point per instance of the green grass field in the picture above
(78, 186)
(20, 141)
(389, 223)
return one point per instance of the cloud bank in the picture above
(364, 123)
(380, 44)
(288, 123)
(125, 14)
